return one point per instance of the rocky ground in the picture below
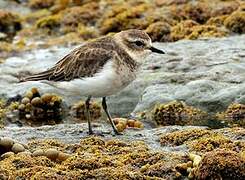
(186, 108)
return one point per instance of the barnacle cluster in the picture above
(36, 107)
(93, 157)
(176, 112)
(123, 123)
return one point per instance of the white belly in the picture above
(105, 83)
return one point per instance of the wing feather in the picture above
(83, 61)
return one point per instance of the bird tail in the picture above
(37, 77)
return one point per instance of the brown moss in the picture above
(199, 12)
(36, 15)
(221, 164)
(159, 31)
(217, 21)
(170, 2)
(10, 22)
(87, 32)
(162, 170)
(196, 11)
(176, 113)
(45, 144)
(206, 31)
(177, 138)
(236, 22)
(49, 23)
(211, 142)
(224, 8)
(124, 18)
(191, 30)
(40, 4)
(85, 15)
(201, 141)
(182, 29)
(234, 115)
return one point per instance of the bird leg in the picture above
(87, 111)
(104, 105)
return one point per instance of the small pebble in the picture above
(28, 116)
(6, 142)
(38, 152)
(16, 148)
(7, 154)
(52, 153)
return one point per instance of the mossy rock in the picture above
(176, 113)
(236, 22)
(221, 164)
(182, 29)
(177, 138)
(49, 23)
(40, 4)
(159, 31)
(217, 21)
(211, 142)
(125, 18)
(10, 22)
(206, 31)
(234, 115)
(85, 15)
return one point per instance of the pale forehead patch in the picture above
(134, 33)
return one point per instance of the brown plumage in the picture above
(84, 61)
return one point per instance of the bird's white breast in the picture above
(104, 83)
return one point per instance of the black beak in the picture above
(155, 50)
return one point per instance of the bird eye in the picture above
(139, 43)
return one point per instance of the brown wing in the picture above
(81, 62)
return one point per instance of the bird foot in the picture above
(117, 133)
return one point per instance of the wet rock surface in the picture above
(208, 74)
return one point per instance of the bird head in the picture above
(136, 43)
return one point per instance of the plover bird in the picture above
(100, 68)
